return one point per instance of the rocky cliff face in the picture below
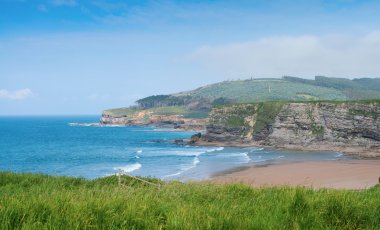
(348, 127)
(149, 119)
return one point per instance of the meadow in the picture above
(35, 201)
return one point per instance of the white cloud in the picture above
(332, 55)
(20, 94)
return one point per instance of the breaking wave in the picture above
(214, 150)
(129, 168)
(185, 168)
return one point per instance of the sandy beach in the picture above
(345, 174)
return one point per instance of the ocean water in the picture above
(48, 144)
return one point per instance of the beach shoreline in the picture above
(339, 174)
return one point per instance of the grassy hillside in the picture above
(370, 83)
(290, 88)
(265, 90)
(167, 111)
(30, 201)
(356, 89)
(197, 102)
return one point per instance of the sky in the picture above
(61, 57)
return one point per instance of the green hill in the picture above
(265, 90)
(286, 88)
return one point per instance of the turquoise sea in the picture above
(48, 144)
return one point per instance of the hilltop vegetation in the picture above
(265, 90)
(160, 111)
(29, 201)
(356, 89)
(201, 100)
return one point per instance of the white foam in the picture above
(339, 155)
(137, 157)
(255, 149)
(216, 149)
(139, 151)
(245, 157)
(164, 130)
(242, 157)
(171, 175)
(258, 159)
(185, 153)
(129, 168)
(195, 162)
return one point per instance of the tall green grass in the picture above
(29, 201)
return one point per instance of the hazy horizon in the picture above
(64, 57)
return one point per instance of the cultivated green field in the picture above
(196, 103)
(266, 90)
(29, 201)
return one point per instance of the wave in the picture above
(137, 157)
(257, 159)
(165, 130)
(194, 164)
(242, 157)
(171, 175)
(184, 153)
(196, 161)
(152, 129)
(139, 151)
(129, 168)
(253, 149)
(245, 157)
(339, 154)
(214, 150)
(158, 153)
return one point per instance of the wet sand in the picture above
(345, 174)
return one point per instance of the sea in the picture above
(52, 145)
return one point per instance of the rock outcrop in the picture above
(144, 118)
(350, 127)
(195, 138)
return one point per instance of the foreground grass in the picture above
(29, 201)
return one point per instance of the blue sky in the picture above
(80, 57)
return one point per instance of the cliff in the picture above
(152, 118)
(350, 127)
(189, 110)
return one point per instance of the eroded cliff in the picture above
(148, 118)
(350, 127)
